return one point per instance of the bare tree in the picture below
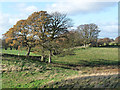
(89, 33)
(59, 26)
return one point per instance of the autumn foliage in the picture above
(40, 29)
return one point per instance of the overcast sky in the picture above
(104, 14)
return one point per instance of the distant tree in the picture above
(89, 33)
(104, 41)
(70, 39)
(100, 42)
(74, 39)
(117, 40)
(107, 41)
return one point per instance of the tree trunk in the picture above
(28, 53)
(50, 56)
(42, 56)
(10, 48)
(85, 45)
(18, 53)
(5, 48)
(16, 47)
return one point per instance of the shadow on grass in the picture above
(19, 55)
(83, 63)
(109, 46)
(22, 58)
(100, 81)
(98, 62)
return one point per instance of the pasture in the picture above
(25, 72)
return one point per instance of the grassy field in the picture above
(82, 56)
(29, 73)
(90, 56)
(16, 52)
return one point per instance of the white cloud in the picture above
(24, 8)
(110, 28)
(3, 23)
(30, 9)
(72, 6)
(8, 20)
(12, 21)
(75, 6)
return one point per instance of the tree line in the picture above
(42, 32)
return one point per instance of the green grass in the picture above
(23, 73)
(28, 73)
(90, 56)
(87, 56)
(16, 52)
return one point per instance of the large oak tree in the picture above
(40, 29)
